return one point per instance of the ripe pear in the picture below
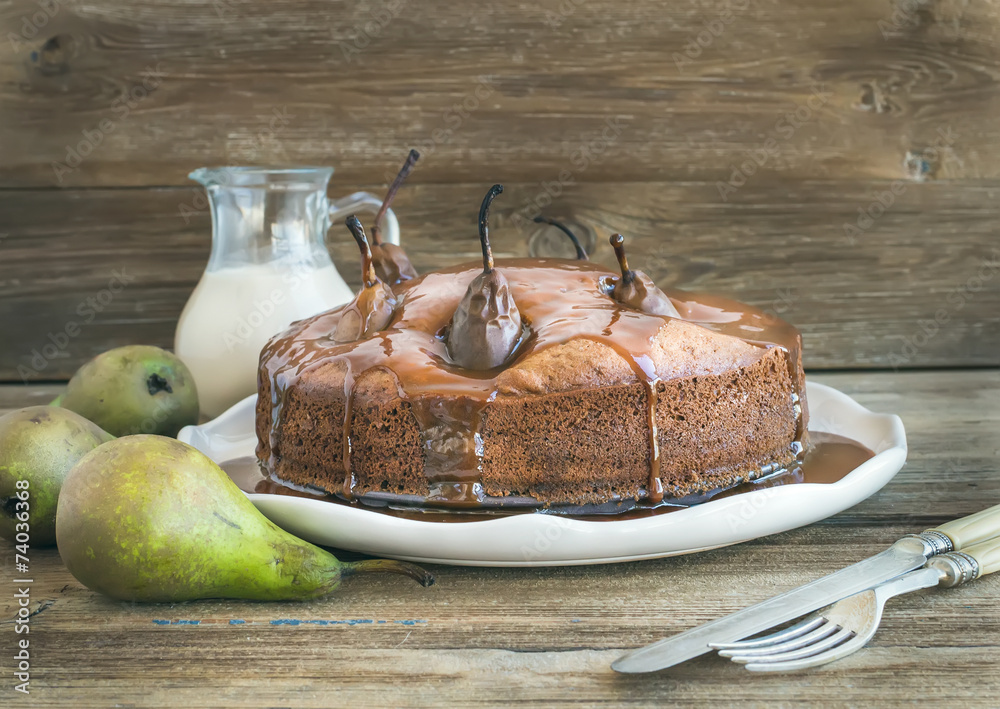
(134, 389)
(148, 518)
(38, 446)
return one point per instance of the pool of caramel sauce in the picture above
(828, 459)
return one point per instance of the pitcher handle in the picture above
(366, 202)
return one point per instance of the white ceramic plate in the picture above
(547, 540)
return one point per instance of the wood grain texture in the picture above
(486, 637)
(151, 89)
(929, 264)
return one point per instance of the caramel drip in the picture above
(559, 301)
(645, 372)
(277, 404)
(348, 487)
(655, 489)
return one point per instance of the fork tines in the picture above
(779, 651)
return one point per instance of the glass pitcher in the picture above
(268, 267)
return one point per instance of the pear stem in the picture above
(581, 254)
(404, 172)
(484, 226)
(367, 266)
(618, 243)
(389, 566)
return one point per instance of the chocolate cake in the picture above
(598, 403)
(540, 383)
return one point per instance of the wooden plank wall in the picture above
(838, 163)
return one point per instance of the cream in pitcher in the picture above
(268, 267)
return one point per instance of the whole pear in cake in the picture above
(391, 263)
(637, 290)
(373, 306)
(486, 325)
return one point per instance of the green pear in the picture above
(134, 389)
(148, 518)
(38, 446)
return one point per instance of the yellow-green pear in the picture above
(38, 446)
(148, 518)
(134, 389)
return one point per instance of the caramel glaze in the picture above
(828, 459)
(559, 300)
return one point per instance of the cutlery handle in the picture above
(987, 555)
(958, 567)
(973, 529)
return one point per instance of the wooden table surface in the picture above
(547, 636)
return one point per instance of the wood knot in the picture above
(54, 55)
(907, 16)
(874, 98)
(919, 165)
(934, 156)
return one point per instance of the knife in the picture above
(910, 552)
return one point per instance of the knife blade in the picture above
(910, 552)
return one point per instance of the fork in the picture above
(847, 625)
